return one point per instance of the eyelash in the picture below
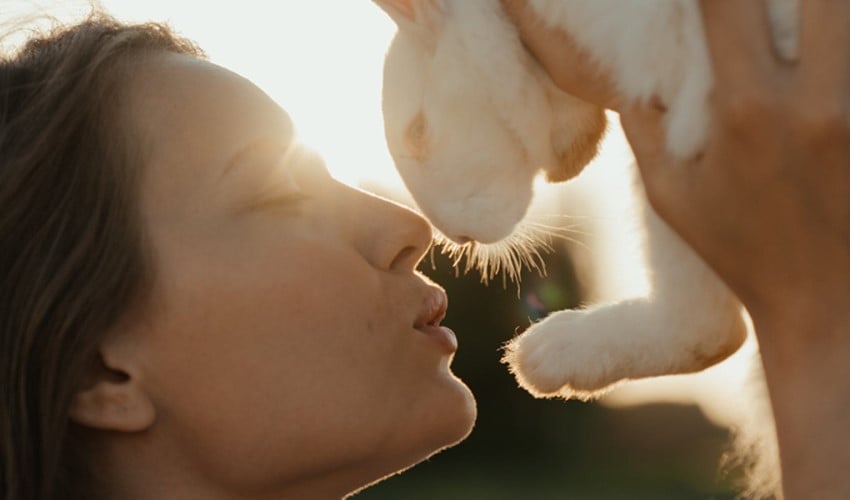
(280, 195)
(290, 202)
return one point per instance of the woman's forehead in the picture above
(192, 111)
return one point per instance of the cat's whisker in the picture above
(562, 233)
(533, 217)
(431, 251)
(556, 230)
(572, 225)
(524, 249)
(562, 237)
(577, 219)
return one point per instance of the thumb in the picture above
(643, 125)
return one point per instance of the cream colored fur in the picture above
(471, 120)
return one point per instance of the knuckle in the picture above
(821, 124)
(746, 108)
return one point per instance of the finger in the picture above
(663, 176)
(569, 66)
(825, 46)
(645, 131)
(739, 41)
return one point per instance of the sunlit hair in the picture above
(72, 254)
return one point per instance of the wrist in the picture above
(804, 346)
(806, 357)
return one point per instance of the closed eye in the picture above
(281, 191)
(288, 203)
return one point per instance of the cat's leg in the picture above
(690, 321)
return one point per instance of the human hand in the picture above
(569, 67)
(767, 203)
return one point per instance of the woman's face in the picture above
(280, 345)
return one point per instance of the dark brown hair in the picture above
(72, 254)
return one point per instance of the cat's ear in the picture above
(416, 14)
(399, 10)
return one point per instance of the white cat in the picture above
(471, 120)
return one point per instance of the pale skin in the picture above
(277, 356)
(767, 204)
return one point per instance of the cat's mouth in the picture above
(433, 311)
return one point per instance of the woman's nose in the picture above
(393, 237)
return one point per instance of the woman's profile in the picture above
(191, 306)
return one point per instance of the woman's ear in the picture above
(113, 397)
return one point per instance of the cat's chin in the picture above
(476, 220)
(506, 258)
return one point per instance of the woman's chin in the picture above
(445, 424)
(467, 413)
(443, 414)
(453, 427)
(455, 420)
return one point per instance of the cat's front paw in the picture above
(563, 357)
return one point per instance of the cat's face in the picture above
(470, 123)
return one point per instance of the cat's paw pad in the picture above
(562, 357)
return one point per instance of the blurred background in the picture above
(666, 438)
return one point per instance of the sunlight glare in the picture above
(321, 60)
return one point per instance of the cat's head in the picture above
(470, 119)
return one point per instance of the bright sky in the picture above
(322, 59)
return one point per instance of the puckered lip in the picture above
(433, 309)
